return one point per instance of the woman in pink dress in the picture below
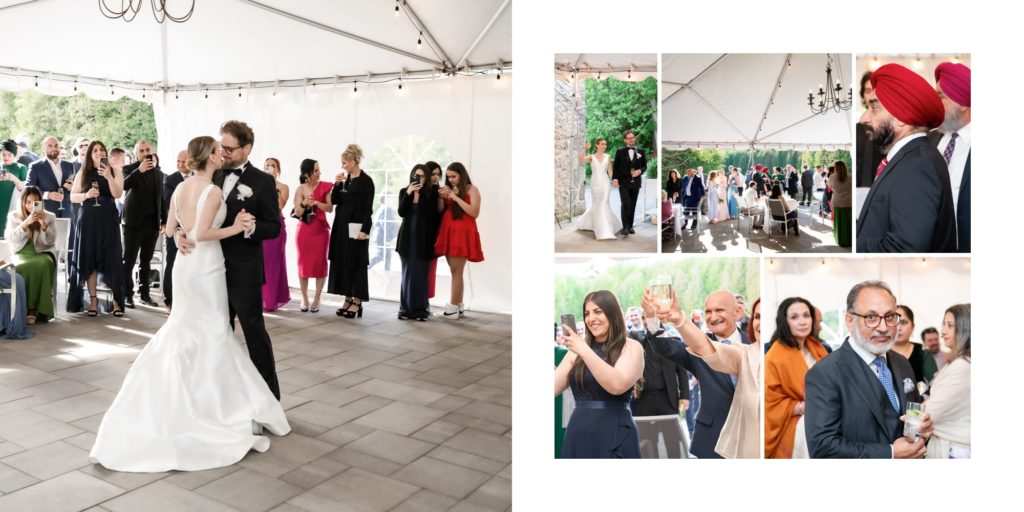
(312, 200)
(275, 286)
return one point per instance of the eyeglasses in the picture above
(872, 320)
(229, 149)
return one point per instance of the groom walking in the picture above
(248, 189)
(630, 163)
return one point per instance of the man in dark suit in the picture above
(856, 397)
(717, 389)
(627, 175)
(792, 181)
(910, 205)
(141, 218)
(53, 178)
(171, 183)
(250, 191)
(693, 191)
(759, 180)
(869, 155)
(807, 185)
(25, 156)
(953, 141)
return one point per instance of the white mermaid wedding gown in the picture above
(190, 398)
(599, 218)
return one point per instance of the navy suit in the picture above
(910, 205)
(848, 414)
(963, 210)
(41, 175)
(716, 390)
(696, 193)
(171, 182)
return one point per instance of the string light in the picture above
(419, 41)
(396, 7)
(239, 92)
(37, 81)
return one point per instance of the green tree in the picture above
(614, 106)
(712, 159)
(121, 122)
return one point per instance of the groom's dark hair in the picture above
(628, 133)
(240, 131)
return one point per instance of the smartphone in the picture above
(150, 157)
(37, 206)
(416, 179)
(105, 161)
(570, 320)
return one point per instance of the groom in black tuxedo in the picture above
(627, 175)
(248, 189)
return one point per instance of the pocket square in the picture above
(908, 385)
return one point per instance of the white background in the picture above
(544, 28)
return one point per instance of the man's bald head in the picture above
(182, 161)
(721, 312)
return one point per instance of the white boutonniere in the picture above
(244, 192)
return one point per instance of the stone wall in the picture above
(570, 177)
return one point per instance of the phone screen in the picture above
(105, 161)
(569, 320)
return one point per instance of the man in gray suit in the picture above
(856, 397)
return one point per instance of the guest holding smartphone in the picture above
(458, 239)
(12, 177)
(32, 237)
(417, 205)
(311, 205)
(97, 247)
(349, 253)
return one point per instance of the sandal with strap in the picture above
(344, 307)
(93, 311)
(349, 313)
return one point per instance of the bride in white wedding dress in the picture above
(599, 218)
(192, 399)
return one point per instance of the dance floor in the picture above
(386, 415)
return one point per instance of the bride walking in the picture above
(192, 399)
(599, 217)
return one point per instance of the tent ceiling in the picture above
(605, 61)
(245, 40)
(750, 99)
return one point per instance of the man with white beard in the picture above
(856, 397)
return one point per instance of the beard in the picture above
(953, 121)
(54, 155)
(865, 343)
(883, 136)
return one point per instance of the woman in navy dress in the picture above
(602, 370)
(97, 245)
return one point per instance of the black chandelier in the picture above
(130, 8)
(830, 95)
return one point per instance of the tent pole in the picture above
(15, 6)
(426, 32)
(487, 28)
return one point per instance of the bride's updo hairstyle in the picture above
(200, 149)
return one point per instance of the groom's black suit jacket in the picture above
(623, 165)
(243, 257)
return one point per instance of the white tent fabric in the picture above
(241, 41)
(922, 64)
(750, 100)
(624, 66)
(238, 41)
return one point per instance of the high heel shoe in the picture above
(344, 307)
(348, 313)
(118, 311)
(92, 311)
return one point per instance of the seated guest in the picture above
(754, 207)
(32, 236)
(13, 328)
(666, 206)
(950, 400)
(791, 215)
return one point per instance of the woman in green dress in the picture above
(12, 176)
(32, 236)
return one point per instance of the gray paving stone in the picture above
(450, 403)
(250, 491)
(477, 423)
(392, 447)
(78, 407)
(165, 497)
(400, 392)
(442, 477)
(49, 460)
(425, 501)
(467, 460)
(314, 473)
(340, 436)
(330, 394)
(365, 461)
(69, 492)
(354, 490)
(11, 479)
(486, 394)
(18, 376)
(400, 418)
(59, 389)
(488, 411)
(437, 432)
(389, 373)
(193, 479)
(496, 494)
(285, 454)
(9, 448)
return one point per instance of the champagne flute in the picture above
(96, 187)
(661, 291)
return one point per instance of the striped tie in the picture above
(881, 166)
(948, 153)
(885, 376)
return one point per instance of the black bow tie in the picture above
(236, 172)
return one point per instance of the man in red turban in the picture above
(953, 141)
(910, 205)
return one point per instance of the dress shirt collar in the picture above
(864, 354)
(902, 142)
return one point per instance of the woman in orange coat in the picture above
(794, 351)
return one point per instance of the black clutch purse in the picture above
(306, 217)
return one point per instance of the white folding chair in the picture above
(776, 209)
(13, 290)
(63, 241)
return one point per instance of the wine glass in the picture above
(96, 187)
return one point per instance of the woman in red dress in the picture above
(312, 200)
(458, 239)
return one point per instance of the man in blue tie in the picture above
(856, 398)
(693, 191)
